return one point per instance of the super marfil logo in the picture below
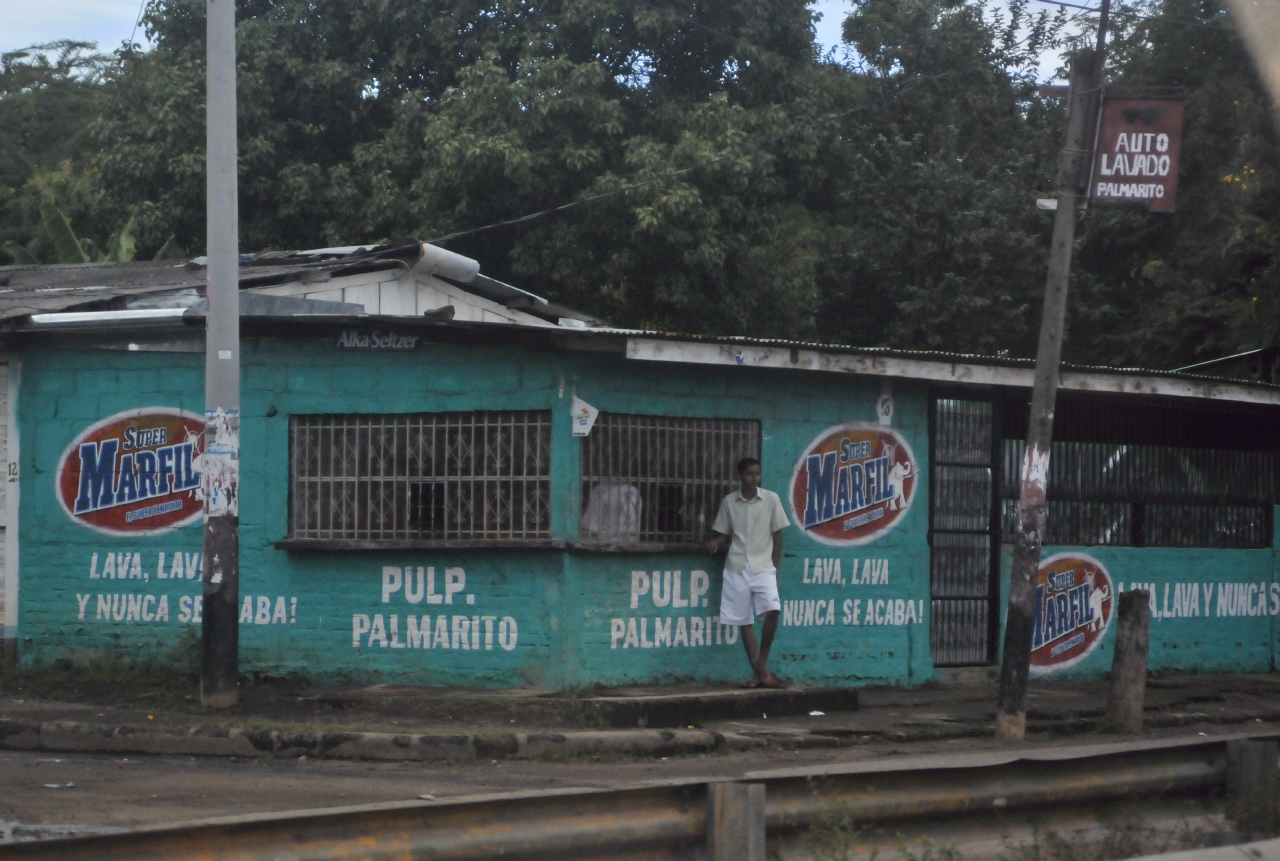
(853, 483)
(1074, 602)
(134, 473)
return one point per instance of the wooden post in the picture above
(1129, 664)
(1073, 179)
(1253, 786)
(735, 822)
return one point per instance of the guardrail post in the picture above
(1129, 665)
(1253, 786)
(735, 822)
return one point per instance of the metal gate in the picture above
(964, 531)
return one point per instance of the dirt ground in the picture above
(936, 710)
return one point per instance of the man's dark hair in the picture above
(746, 463)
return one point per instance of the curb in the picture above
(72, 737)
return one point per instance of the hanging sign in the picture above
(584, 416)
(135, 473)
(853, 483)
(1136, 161)
(1075, 600)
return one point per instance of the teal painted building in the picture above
(520, 499)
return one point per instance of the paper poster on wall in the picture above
(221, 463)
(584, 417)
(1074, 604)
(134, 473)
(853, 483)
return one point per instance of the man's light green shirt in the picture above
(751, 524)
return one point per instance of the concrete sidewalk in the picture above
(402, 723)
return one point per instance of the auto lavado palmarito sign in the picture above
(1075, 599)
(853, 483)
(1136, 161)
(134, 473)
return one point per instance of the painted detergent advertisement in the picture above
(134, 473)
(1075, 601)
(853, 483)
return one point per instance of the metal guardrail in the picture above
(685, 818)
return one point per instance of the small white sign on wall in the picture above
(584, 416)
(884, 405)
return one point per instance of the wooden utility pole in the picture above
(1074, 170)
(220, 467)
(1128, 693)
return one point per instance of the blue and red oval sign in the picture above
(135, 473)
(853, 483)
(1074, 602)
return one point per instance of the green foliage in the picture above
(65, 244)
(1166, 291)
(19, 254)
(762, 189)
(170, 250)
(883, 204)
(49, 95)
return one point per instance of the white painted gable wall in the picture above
(404, 294)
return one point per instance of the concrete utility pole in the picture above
(1074, 171)
(220, 634)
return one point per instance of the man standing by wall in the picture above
(750, 521)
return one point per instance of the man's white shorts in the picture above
(745, 596)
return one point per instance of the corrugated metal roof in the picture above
(26, 290)
(924, 355)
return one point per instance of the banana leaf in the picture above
(21, 256)
(65, 245)
(91, 250)
(122, 246)
(170, 250)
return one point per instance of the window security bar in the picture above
(483, 475)
(656, 479)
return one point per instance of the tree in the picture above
(1166, 291)
(49, 95)
(766, 191)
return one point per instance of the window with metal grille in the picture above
(655, 479)
(466, 476)
(1148, 496)
(962, 526)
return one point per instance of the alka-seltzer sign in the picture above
(1075, 600)
(378, 339)
(1136, 162)
(135, 473)
(853, 483)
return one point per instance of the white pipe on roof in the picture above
(440, 261)
(65, 317)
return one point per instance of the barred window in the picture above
(467, 476)
(1148, 496)
(655, 479)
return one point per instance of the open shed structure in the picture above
(428, 494)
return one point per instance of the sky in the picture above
(31, 22)
(110, 22)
